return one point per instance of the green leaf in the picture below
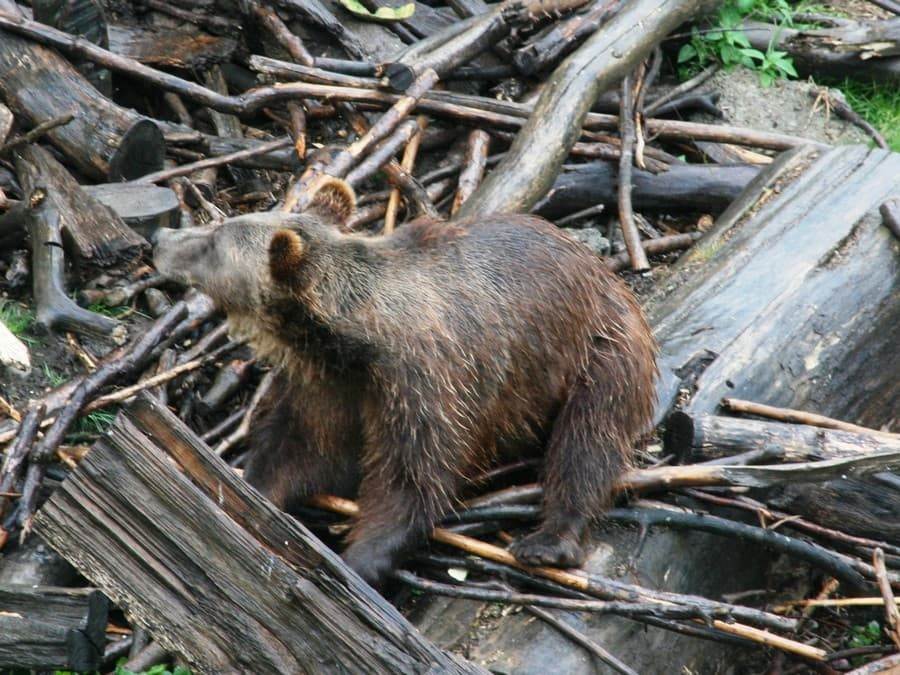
(740, 39)
(754, 54)
(745, 6)
(766, 79)
(687, 52)
(382, 14)
(787, 66)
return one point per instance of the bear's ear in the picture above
(334, 200)
(285, 256)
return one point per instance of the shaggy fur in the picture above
(412, 362)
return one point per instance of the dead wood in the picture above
(891, 611)
(143, 208)
(316, 13)
(666, 244)
(474, 164)
(50, 628)
(162, 48)
(211, 514)
(705, 188)
(85, 19)
(627, 133)
(301, 190)
(93, 234)
(120, 362)
(700, 437)
(548, 47)
(797, 417)
(221, 160)
(104, 140)
(524, 176)
(868, 50)
(407, 163)
(890, 216)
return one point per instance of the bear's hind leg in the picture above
(589, 448)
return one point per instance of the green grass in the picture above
(112, 312)
(54, 378)
(97, 422)
(879, 104)
(19, 319)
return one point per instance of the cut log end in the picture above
(141, 151)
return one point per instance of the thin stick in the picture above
(672, 242)
(186, 169)
(298, 128)
(14, 458)
(630, 233)
(580, 638)
(36, 133)
(795, 416)
(833, 602)
(576, 581)
(243, 428)
(682, 88)
(891, 612)
(301, 191)
(122, 361)
(477, 148)
(407, 162)
(273, 23)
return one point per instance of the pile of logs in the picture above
(778, 392)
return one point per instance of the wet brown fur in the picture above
(411, 362)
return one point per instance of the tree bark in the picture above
(524, 176)
(218, 574)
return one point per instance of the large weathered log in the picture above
(93, 233)
(707, 188)
(868, 50)
(524, 176)
(211, 569)
(701, 437)
(47, 628)
(144, 208)
(793, 300)
(104, 140)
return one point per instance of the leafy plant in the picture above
(727, 44)
(112, 312)
(97, 422)
(865, 635)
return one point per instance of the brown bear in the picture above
(411, 362)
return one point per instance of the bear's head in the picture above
(236, 261)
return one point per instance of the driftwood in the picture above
(47, 628)
(93, 234)
(700, 437)
(219, 614)
(104, 140)
(524, 176)
(474, 164)
(706, 188)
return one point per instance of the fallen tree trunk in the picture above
(708, 188)
(702, 437)
(524, 176)
(217, 574)
(49, 628)
(867, 50)
(105, 141)
(793, 300)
